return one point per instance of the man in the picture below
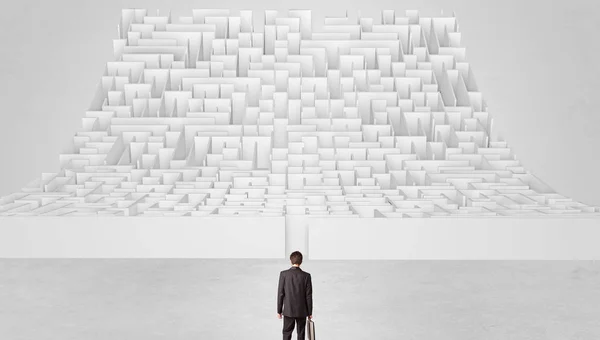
(294, 298)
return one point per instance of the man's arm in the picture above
(309, 301)
(280, 294)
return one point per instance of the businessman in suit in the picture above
(294, 298)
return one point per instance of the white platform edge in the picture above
(142, 237)
(526, 238)
(319, 238)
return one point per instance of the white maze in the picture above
(207, 116)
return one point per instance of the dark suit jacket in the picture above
(294, 294)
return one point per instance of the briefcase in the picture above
(310, 329)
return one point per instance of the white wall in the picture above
(454, 239)
(142, 237)
(319, 238)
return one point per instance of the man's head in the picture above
(296, 258)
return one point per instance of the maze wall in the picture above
(207, 115)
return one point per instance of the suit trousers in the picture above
(288, 327)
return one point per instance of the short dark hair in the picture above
(296, 258)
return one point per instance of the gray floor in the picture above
(225, 299)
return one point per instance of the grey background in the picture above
(535, 62)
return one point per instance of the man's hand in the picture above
(310, 317)
(279, 316)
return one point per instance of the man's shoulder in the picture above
(289, 270)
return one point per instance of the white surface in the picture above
(318, 238)
(296, 234)
(142, 237)
(454, 239)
